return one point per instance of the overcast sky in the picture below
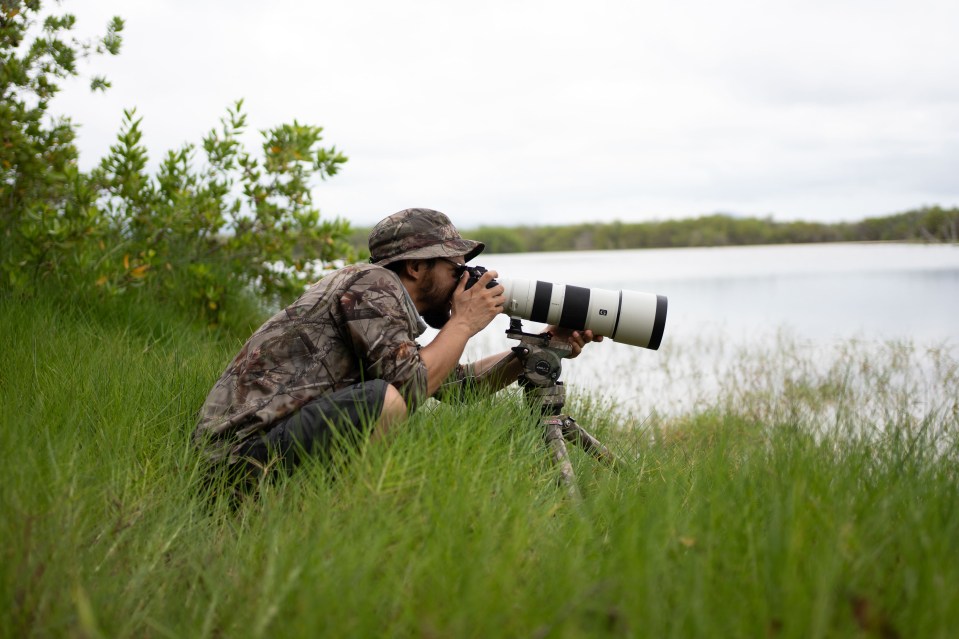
(560, 112)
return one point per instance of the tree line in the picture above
(926, 224)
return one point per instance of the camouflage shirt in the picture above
(356, 324)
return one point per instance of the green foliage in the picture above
(359, 240)
(212, 227)
(929, 224)
(203, 233)
(39, 181)
(501, 240)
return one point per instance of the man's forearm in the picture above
(443, 354)
(493, 381)
(438, 356)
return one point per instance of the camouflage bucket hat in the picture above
(418, 234)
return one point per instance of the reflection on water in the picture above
(752, 318)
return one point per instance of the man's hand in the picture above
(470, 312)
(576, 339)
(477, 307)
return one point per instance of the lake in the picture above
(729, 306)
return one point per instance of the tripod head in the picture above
(542, 362)
(541, 354)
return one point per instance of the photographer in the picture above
(341, 361)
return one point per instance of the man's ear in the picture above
(415, 269)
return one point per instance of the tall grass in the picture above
(736, 520)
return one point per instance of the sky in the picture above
(557, 112)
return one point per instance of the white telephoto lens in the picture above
(630, 317)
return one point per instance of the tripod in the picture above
(541, 357)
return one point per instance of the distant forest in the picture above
(928, 224)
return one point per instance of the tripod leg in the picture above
(557, 446)
(576, 434)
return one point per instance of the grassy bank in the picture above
(719, 523)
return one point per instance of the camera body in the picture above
(474, 273)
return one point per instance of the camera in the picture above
(473, 275)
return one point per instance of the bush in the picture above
(200, 234)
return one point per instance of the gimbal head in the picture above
(541, 355)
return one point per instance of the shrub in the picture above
(209, 228)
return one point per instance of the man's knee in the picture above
(394, 406)
(394, 411)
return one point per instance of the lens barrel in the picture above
(630, 317)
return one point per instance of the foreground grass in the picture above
(719, 523)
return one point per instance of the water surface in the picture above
(728, 302)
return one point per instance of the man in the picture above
(342, 359)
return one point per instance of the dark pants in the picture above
(334, 422)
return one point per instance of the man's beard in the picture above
(436, 318)
(437, 314)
